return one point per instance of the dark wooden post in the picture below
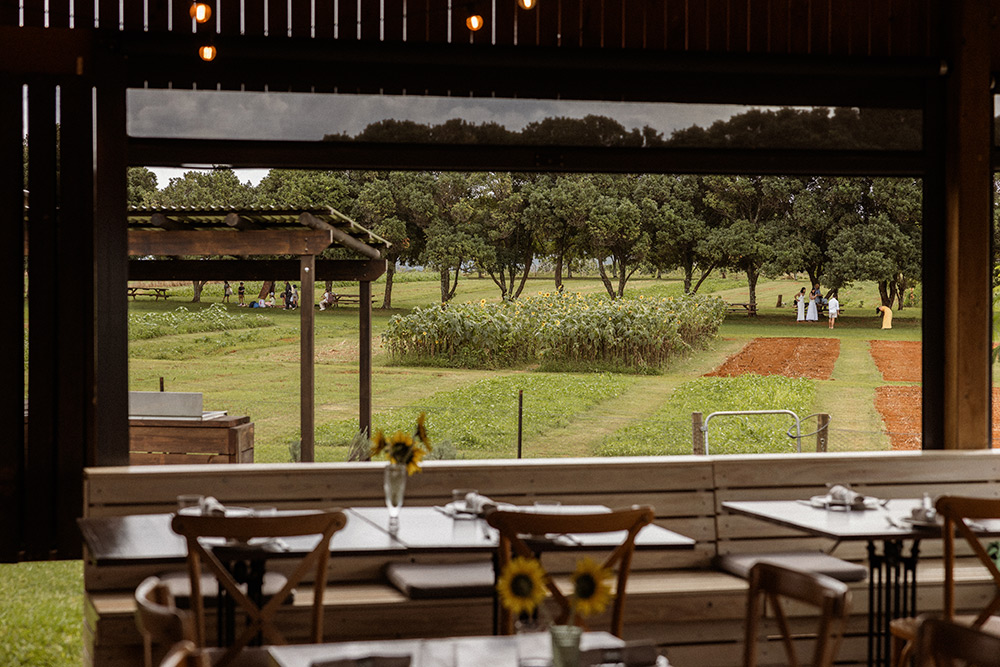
(697, 436)
(968, 182)
(822, 432)
(365, 357)
(307, 272)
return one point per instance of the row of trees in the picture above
(836, 230)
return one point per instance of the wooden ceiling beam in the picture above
(358, 155)
(253, 269)
(264, 242)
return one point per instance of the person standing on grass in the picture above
(833, 307)
(241, 293)
(227, 291)
(886, 314)
(800, 305)
(812, 313)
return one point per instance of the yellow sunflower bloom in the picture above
(379, 443)
(521, 586)
(422, 431)
(591, 592)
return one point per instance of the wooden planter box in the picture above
(223, 440)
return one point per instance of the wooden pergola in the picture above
(218, 232)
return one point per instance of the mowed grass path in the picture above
(255, 372)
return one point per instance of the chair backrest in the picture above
(514, 526)
(772, 583)
(956, 510)
(941, 643)
(184, 654)
(242, 529)
(158, 619)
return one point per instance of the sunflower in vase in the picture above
(403, 448)
(523, 585)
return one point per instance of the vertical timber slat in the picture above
(74, 264)
(39, 477)
(111, 444)
(12, 273)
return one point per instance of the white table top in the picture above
(840, 524)
(445, 652)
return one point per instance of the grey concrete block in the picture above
(164, 404)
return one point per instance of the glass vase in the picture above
(565, 645)
(395, 489)
(531, 644)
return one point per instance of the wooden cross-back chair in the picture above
(158, 619)
(242, 529)
(955, 510)
(943, 643)
(771, 584)
(184, 654)
(515, 526)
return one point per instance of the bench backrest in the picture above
(686, 492)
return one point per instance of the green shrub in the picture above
(637, 333)
(143, 326)
(669, 430)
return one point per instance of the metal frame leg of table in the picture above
(892, 593)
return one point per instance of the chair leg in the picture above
(901, 650)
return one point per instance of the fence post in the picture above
(697, 437)
(822, 432)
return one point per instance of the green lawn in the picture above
(255, 372)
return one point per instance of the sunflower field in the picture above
(634, 333)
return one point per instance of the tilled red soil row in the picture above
(811, 358)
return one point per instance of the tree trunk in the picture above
(752, 276)
(688, 272)
(884, 294)
(265, 289)
(604, 279)
(704, 275)
(444, 285)
(524, 280)
(390, 271)
(198, 285)
(902, 284)
(559, 270)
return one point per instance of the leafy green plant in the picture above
(143, 326)
(635, 333)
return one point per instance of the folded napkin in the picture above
(368, 661)
(212, 507)
(479, 504)
(844, 495)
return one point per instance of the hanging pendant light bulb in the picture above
(474, 22)
(207, 52)
(200, 12)
(527, 4)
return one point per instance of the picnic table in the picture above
(748, 308)
(155, 292)
(337, 299)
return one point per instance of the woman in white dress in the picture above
(800, 305)
(812, 314)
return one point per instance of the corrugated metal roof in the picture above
(270, 217)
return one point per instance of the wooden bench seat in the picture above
(691, 611)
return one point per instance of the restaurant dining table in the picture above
(885, 525)
(443, 652)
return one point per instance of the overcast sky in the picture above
(306, 116)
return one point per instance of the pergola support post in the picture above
(365, 358)
(307, 271)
